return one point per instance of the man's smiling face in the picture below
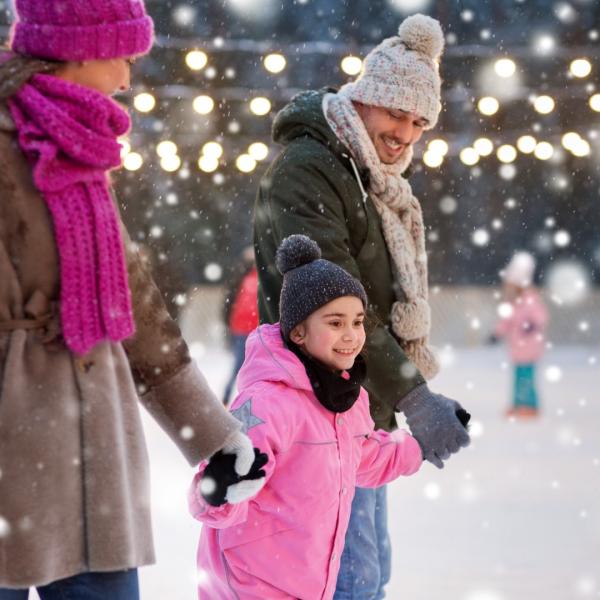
(392, 131)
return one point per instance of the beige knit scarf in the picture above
(403, 230)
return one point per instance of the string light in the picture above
(166, 148)
(544, 104)
(438, 146)
(570, 139)
(203, 105)
(580, 67)
(433, 159)
(488, 105)
(208, 163)
(212, 149)
(506, 153)
(469, 156)
(595, 102)
(258, 151)
(483, 146)
(274, 63)
(526, 144)
(133, 161)
(544, 151)
(260, 106)
(170, 163)
(196, 60)
(505, 67)
(351, 65)
(580, 148)
(144, 102)
(245, 163)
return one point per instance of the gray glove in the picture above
(438, 423)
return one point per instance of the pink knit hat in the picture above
(72, 30)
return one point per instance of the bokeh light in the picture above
(544, 104)
(275, 63)
(506, 153)
(144, 102)
(483, 146)
(580, 67)
(351, 65)
(133, 161)
(258, 151)
(260, 106)
(469, 156)
(208, 163)
(170, 163)
(488, 105)
(196, 60)
(166, 148)
(544, 151)
(245, 163)
(526, 144)
(505, 67)
(203, 105)
(212, 149)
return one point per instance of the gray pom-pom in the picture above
(295, 251)
(422, 34)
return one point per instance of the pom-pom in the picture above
(422, 34)
(295, 251)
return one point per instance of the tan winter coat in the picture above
(73, 463)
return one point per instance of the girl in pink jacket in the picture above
(522, 324)
(302, 405)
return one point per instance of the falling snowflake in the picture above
(480, 237)
(213, 272)
(553, 374)
(432, 491)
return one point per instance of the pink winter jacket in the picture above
(524, 328)
(286, 542)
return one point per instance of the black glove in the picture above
(492, 339)
(220, 483)
(438, 423)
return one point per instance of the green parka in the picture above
(311, 188)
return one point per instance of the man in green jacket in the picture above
(339, 180)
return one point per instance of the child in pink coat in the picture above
(302, 405)
(523, 324)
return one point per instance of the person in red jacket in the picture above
(241, 314)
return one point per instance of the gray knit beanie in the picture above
(309, 281)
(402, 73)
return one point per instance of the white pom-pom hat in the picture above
(520, 270)
(402, 73)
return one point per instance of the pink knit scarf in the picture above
(69, 135)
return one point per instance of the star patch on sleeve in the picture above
(245, 416)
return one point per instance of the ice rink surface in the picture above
(514, 517)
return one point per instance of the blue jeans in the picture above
(366, 563)
(120, 585)
(239, 353)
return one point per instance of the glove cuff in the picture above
(413, 398)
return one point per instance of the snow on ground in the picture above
(514, 517)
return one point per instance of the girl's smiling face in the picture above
(334, 334)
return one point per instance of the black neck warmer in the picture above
(333, 391)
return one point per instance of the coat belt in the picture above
(15, 324)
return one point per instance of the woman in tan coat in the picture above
(84, 333)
